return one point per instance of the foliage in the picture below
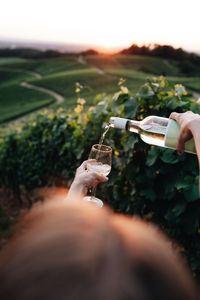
(29, 53)
(17, 101)
(188, 62)
(148, 181)
(61, 74)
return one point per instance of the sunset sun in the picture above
(107, 24)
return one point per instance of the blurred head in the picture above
(75, 251)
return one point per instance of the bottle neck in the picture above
(126, 124)
(133, 126)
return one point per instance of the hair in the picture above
(76, 251)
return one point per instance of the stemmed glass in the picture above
(102, 164)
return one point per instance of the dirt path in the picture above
(59, 98)
(83, 61)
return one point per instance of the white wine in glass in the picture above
(103, 156)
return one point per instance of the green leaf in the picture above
(130, 142)
(146, 95)
(180, 89)
(184, 182)
(122, 98)
(172, 104)
(192, 194)
(152, 156)
(133, 191)
(149, 193)
(102, 107)
(179, 208)
(130, 108)
(169, 156)
(182, 103)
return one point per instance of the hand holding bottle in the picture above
(155, 130)
(189, 123)
(189, 126)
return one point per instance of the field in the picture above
(96, 73)
(151, 182)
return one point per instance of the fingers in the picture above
(183, 119)
(88, 178)
(175, 116)
(181, 143)
(98, 177)
(83, 166)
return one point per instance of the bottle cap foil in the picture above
(120, 123)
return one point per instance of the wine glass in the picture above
(102, 164)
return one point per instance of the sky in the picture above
(107, 24)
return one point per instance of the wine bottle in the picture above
(154, 130)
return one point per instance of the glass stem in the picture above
(93, 191)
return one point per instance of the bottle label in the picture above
(172, 135)
(154, 128)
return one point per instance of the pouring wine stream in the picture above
(104, 170)
(106, 128)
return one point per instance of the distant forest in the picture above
(189, 63)
(29, 53)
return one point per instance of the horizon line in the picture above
(84, 46)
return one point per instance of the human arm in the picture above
(84, 180)
(189, 123)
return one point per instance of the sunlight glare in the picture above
(107, 24)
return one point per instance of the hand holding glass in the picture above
(103, 156)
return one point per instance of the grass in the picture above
(65, 83)
(17, 101)
(11, 60)
(192, 84)
(49, 66)
(61, 74)
(93, 84)
(144, 64)
(8, 78)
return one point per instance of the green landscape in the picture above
(53, 106)
(96, 74)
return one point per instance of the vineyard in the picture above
(52, 110)
(151, 182)
(97, 74)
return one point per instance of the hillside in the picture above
(188, 63)
(96, 73)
